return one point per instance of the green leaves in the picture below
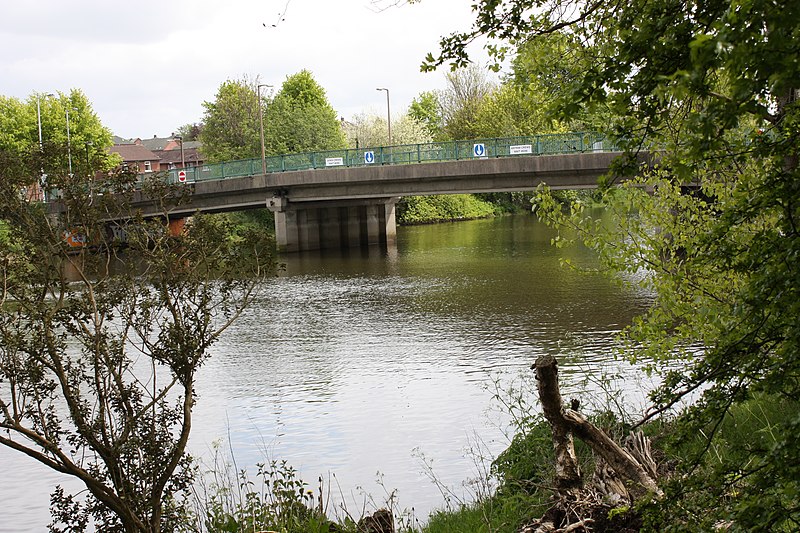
(100, 343)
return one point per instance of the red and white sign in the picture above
(182, 176)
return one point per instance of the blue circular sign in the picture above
(479, 150)
(369, 157)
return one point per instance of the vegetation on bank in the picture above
(442, 208)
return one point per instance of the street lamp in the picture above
(87, 144)
(43, 178)
(261, 121)
(88, 164)
(388, 113)
(39, 117)
(179, 138)
(69, 146)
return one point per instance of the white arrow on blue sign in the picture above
(479, 150)
(369, 157)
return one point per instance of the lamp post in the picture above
(388, 113)
(179, 138)
(261, 122)
(87, 144)
(43, 177)
(88, 164)
(69, 144)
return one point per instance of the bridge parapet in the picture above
(549, 144)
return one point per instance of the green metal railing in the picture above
(560, 143)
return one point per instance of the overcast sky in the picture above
(148, 65)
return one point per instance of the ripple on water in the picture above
(359, 364)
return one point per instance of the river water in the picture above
(375, 368)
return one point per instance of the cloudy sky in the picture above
(147, 66)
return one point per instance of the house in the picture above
(137, 157)
(166, 151)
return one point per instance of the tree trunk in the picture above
(566, 422)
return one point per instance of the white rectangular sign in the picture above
(334, 161)
(521, 149)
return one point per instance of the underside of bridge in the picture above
(331, 224)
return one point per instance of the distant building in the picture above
(158, 153)
(137, 157)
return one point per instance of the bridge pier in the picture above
(301, 226)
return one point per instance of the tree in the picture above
(190, 132)
(371, 130)
(88, 138)
(511, 111)
(426, 110)
(103, 327)
(461, 100)
(231, 122)
(714, 87)
(300, 118)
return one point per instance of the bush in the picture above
(443, 208)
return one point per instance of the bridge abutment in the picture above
(332, 224)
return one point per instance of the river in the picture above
(377, 368)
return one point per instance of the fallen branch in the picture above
(566, 422)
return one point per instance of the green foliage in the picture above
(303, 91)
(511, 111)
(715, 87)
(426, 110)
(231, 122)
(427, 209)
(462, 100)
(100, 343)
(745, 441)
(508, 202)
(496, 515)
(529, 462)
(300, 118)
(544, 71)
(19, 136)
(278, 500)
(190, 132)
(259, 219)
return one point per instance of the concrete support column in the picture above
(390, 221)
(373, 224)
(333, 223)
(286, 234)
(308, 229)
(353, 225)
(330, 230)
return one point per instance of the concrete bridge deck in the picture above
(348, 207)
(346, 198)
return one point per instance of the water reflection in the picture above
(356, 362)
(352, 361)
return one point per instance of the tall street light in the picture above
(43, 178)
(388, 113)
(179, 138)
(87, 144)
(261, 121)
(69, 146)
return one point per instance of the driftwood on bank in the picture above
(621, 475)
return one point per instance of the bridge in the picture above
(347, 198)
